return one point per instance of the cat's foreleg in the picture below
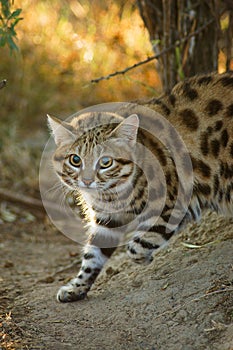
(94, 257)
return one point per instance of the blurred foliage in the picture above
(63, 44)
(8, 21)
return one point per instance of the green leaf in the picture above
(15, 13)
(12, 44)
(2, 40)
(11, 30)
(16, 21)
(7, 24)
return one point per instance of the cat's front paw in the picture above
(71, 292)
(140, 249)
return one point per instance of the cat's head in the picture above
(97, 157)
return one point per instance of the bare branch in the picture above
(151, 58)
(31, 203)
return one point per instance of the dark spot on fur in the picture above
(215, 147)
(216, 184)
(201, 167)
(140, 193)
(165, 233)
(218, 125)
(88, 256)
(213, 107)
(221, 169)
(87, 270)
(132, 251)
(226, 170)
(220, 195)
(204, 143)
(165, 108)
(93, 276)
(226, 81)
(224, 138)
(145, 244)
(229, 111)
(204, 80)
(171, 197)
(190, 93)
(139, 209)
(192, 212)
(228, 195)
(202, 189)
(209, 130)
(161, 156)
(168, 178)
(123, 161)
(166, 217)
(175, 191)
(190, 119)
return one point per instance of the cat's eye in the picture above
(75, 160)
(105, 162)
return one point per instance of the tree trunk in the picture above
(195, 27)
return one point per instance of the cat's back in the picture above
(201, 111)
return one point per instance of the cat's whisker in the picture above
(56, 188)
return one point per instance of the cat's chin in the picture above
(87, 188)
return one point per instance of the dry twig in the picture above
(151, 58)
(21, 199)
(29, 202)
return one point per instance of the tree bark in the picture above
(171, 21)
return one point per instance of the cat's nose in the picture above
(87, 182)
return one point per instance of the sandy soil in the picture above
(183, 300)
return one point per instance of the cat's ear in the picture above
(61, 131)
(127, 129)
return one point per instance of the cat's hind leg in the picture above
(143, 244)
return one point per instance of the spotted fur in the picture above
(137, 194)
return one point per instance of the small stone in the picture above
(110, 271)
(8, 264)
(48, 279)
(137, 283)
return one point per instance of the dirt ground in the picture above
(183, 300)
